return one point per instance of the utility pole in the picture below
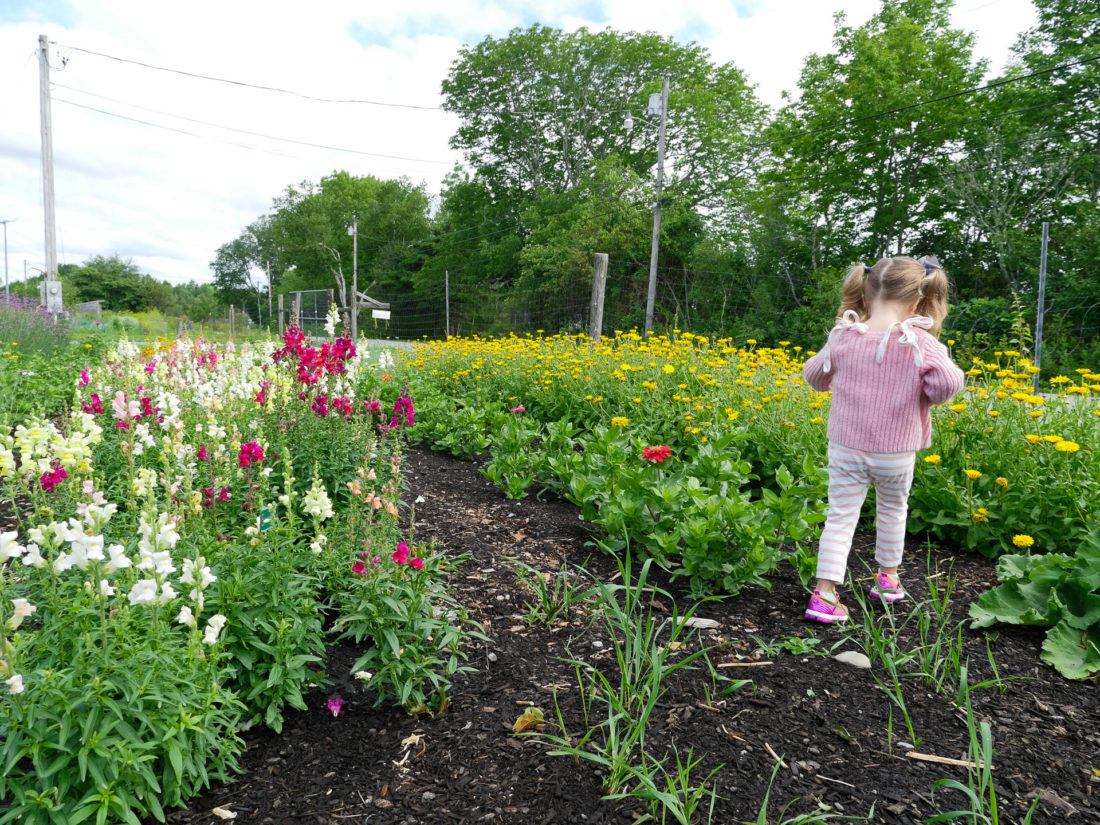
(47, 157)
(7, 289)
(652, 295)
(354, 232)
(1039, 313)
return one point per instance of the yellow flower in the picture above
(950, 342)
(1067, 446)
(994, 413)
(979, 514)
(750, 340)
(620, 421)
(668, 369)
(932, 459)
(1059, 379)
(1001, 481)
(817, 420)
(1032, 439)
(1022, 540)
(973, 475)
(1053, 439)
(1035, 413)
(957, 407)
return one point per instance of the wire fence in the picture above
(724, 304)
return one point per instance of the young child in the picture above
(886, 369)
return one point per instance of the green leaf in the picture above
(1014, 603)
(1072, 652)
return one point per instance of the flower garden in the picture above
(189, 537)
(205, 519)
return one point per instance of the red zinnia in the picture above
(656, 453)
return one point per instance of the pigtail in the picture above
(933, 297)
(852, 292)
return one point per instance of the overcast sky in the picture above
(169, 197)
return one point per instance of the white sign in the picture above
(384, 314)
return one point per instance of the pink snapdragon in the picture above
(53, 478)
(250, 453)
(336, 706)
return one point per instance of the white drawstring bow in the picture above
(908, 337)
(850, 320)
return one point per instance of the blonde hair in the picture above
(901, 279)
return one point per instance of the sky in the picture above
(163, 167)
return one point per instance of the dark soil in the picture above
(827, 721)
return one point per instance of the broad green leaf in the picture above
(1072, 652)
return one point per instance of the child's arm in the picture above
(941, 378)
(815, 375)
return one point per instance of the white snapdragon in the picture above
(167, 593)
(186, 617)
(15, 684)
(106, 589)
(34, 557)
(144, 593)
(23, 608)
(316, 502)
(9, 548)
(331, 320)
(118, 561)
(86, 549)
(213, 628)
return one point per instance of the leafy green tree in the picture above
(874, 124)
(310, 230)
(117, 282)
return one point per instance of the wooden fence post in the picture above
(232, 320)
(280, 316)
(599, 284)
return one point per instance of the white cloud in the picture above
(168, 200)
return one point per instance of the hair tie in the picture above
(866, 271)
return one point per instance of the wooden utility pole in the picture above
(652, 294)
(1039, 311)
(47, 156)
(599, 284)
(355, 279)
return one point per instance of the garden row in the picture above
(709, 458)
(188, 540)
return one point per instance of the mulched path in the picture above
(826, 720)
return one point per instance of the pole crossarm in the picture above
(367, 302)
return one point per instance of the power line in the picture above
(170, 128)
(995, 84)
(243, 131)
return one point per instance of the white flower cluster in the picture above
(331, 320)
(316, 502)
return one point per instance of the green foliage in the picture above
(1056, 591)
(401, 605)
(274, 640)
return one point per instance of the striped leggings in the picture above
(850, 474)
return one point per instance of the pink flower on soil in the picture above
(336, 706)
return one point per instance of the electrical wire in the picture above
(245, 131)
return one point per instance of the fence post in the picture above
(447, 298)
(298, 309)
(232, 321)
(599, 283)
(280, 316)
(1042, 301)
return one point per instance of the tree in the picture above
(310, 230)
(875, 123)
(540, 107)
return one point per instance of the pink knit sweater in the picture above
(883, 407)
